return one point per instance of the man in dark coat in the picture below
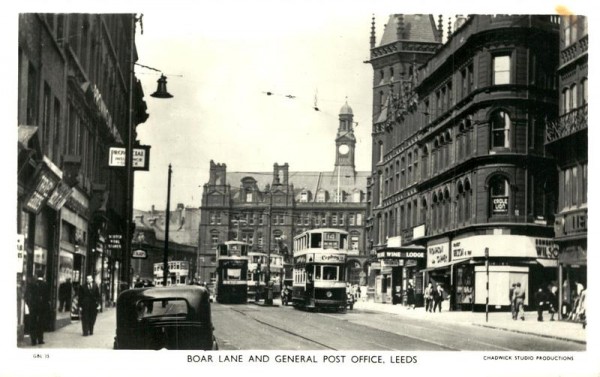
(38, 301)
(89, 303)
(438, 297)
(540, 301)
(64, 296)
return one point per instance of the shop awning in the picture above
(547, 263)
(447, 265)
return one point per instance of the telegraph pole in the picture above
(167, 220)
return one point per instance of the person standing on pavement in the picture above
(552, 302)
(519, 300)
(410, 296)
(89, 303)
(511, 298)
(540, 301)
(428, 296)
(64, 295)
(438, 297)
(38, 301)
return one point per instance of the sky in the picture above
(221, 59)
(221, 64)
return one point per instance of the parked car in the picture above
(174, 317)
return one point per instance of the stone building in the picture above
(268, 209)
(460, 171)
(75, 83)
(567, 140)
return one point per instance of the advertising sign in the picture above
(117, 157)
(59, 196)
(438, 255)
(506, 245)
(500, 205)
(46, 182)
(139, 254)
(400, 254)
(20, 252)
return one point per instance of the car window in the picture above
(174, 307)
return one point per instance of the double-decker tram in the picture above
(232, 272)
(319, 269)
(257, 268)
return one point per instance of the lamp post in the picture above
(269, 296)
(167, 220)
(161, 92)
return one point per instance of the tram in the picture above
(257, 267)
(232, 272)
(319, 269)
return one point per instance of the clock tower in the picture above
(345, 143)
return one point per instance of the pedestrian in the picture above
(438, 297)
(37, 299)
(540, 301)
(89, 303)
(511, 298)
(410, 296)
(519, 300)
(64, 295)
(552, 302)
(428, 296)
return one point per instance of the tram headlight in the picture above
(328, 294)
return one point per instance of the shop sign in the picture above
(419, 231)
(46, 182)
(114, 241)
(59, 196)
(20, 252)
(500, 204)
(438, 255)
(117, 157)
(139, 254)
(400, 254)
(394, 241)
(392, 262)
(546, 248)
(461, 250)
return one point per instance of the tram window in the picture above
(315, 240)
(317, 272)
(329, 273)
(234, 274)
(330, 245)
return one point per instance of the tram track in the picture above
(283, 330)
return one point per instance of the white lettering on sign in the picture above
(117, 157)
(500, 205)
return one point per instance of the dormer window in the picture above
(248, 196)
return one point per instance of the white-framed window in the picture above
(499, 195)
(500, 125)
(501, 69)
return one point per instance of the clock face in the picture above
(343, 149)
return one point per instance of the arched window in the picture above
(584, 91)
(447, 206)
(425, 156)
(409, 169)
(566, 100)
(460, 199)
(468, 199)
(500, 126)
(424, 210)
(574, 103)
(499, 195)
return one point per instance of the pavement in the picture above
(70, 336)
(564, 330)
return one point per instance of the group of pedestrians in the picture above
(542, 300)
(433, 297)
(38, 307)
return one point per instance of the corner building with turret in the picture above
(460, 174)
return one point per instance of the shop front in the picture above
(459, 265)
(400, 266)
(572, 272)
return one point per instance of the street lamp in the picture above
(160, 93)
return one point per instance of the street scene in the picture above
(367, 327)
(393, 182)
